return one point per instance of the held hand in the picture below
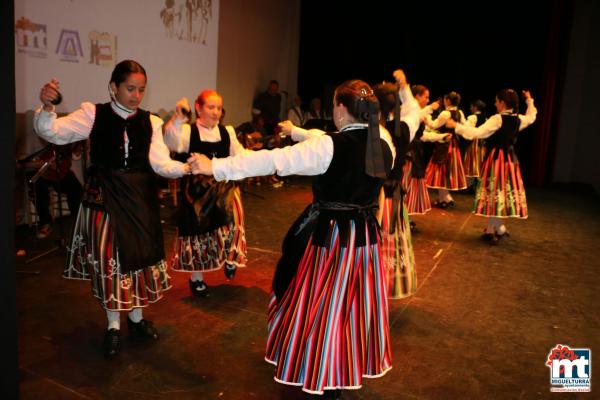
(526, 94)
(286, 128)
(447, 137)
(182, 109)
(435, 105)
(451, 123)
(201, 165)
(49, 93)
(400, 78)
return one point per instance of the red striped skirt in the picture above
(225, 245)
(94, 255)
(500, 192)
(397, 250)
(448, 174)
(474, 156)
(330, 328)
(417, 196)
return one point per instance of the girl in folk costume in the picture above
(396, 246)
(117, 240)
(413, 174)
(328, 314)
(475, 151)
(500, 192)
(445, 170)
(210, 219)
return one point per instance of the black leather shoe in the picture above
(111, 343)
(199, 288)
(230, 271)
(142, 330)
(487, 236)
(451, 203)
(443, 205)
(413, 226)
(495, 240)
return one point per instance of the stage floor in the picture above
(480, 326)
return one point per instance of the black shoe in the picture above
(199, 288)
(230, 271)
(495, 240)
(487, 236)
(111, 343)
(443, 205)
(142, 330)
(450, 203)
(413, 226)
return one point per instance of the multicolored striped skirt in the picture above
(397, 250)
(500, 192)
(330, 327)
(417, 196)
(449, 173)
(213, 250)
(474, 156)
(94, 255)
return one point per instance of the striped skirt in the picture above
(225, 245)
(474, 156)
(500, 192)
(448, 174)
(330, 328)
(417, 196)
(397, 251)
(93, 255)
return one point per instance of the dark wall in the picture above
(439, 45)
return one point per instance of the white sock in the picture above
(197, 276)
(490, 225)
(442, 194)
(494, 223)
(135, 315)
(501, 230)
(114, 319)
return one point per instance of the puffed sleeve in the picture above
(177, 135)
(159, 156)
(310, 157)
(68, 129)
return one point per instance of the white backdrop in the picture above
(177, 46)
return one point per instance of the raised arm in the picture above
(530, 113)
(177, 130)
(159, 156)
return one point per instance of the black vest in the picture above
(455, 115)
(345, 180)
(218, 149)
(401, 144)
(107, 142)
(480, 119)
(416, 154)
(506, 136)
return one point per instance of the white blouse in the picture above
(78, 125)
(177, 136)
(489, 127)
(443, 118)
(311, 156)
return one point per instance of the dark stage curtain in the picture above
(550, 98)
